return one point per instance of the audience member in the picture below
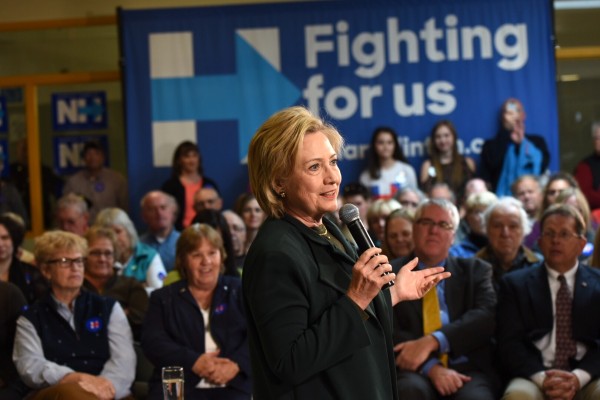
(547, 333)
(445, 163)
(442, 191)
(357, 194)
(72, 344)
(101, 186)
(159, 211)
(410, 197)
(199, 323)
(19, 176)
(10, 198)
(22, 253)
(512, 152)
(13, 301)
(101, 278)
(248, 208)
(238, 238)
(134, 258)
(25, 276)
(444, 341)
(387, 168)
(398, 233)
(587, 171)
(376, 216)
(72, 214)
(575, 197)
(187, 177)
(528, 191)
(556, 183)
(207, 198)
(475, 237)
(473, 185)
(506, 226)
(216, 220)
(595, 259)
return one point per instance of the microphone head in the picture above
(349, 213)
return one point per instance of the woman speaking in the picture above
(319, 324)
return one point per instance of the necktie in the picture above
(432, 320)
(565, 345)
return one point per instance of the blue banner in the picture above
(214, 74)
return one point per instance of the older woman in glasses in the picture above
(72, 344)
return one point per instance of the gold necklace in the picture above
(322, 231)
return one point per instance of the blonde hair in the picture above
(274, 149)
(190, 239)
(47, 245)
(102, 232)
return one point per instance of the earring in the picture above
(282, 194)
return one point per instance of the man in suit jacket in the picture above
(467, 302)
(529, 336)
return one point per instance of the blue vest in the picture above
(84, 350)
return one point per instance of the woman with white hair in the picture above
(506, 225)
(137, 259)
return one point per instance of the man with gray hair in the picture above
(505, 223)
(72, 214)
(587, 172)
(444, 341)
(159, 211)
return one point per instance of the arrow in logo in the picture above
(250, 96)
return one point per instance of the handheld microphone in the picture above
(350, 216)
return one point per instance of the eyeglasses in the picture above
(428, 223)
(562, 235)
(100, 253)
(67, 262)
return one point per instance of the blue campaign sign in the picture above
(214, 74)
(67, 152)
(3, 115)
(75, 111)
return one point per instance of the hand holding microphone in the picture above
(349, 215)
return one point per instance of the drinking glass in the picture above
(172, 379)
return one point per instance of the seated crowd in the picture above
(513, 321)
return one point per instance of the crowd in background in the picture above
(109, 295)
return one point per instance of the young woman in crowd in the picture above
(387, 170)
(445, 163)
(187, 176)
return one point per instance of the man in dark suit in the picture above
(548, 325)
(452, 358)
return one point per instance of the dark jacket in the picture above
(174, 187)
(308, 340)
(471, 302)
(132, 296)
(173, 334)
(29, 279)
(525, 315)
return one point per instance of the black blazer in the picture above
(173, 334)
(308, 340)
(525, 315)
(471, 301)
